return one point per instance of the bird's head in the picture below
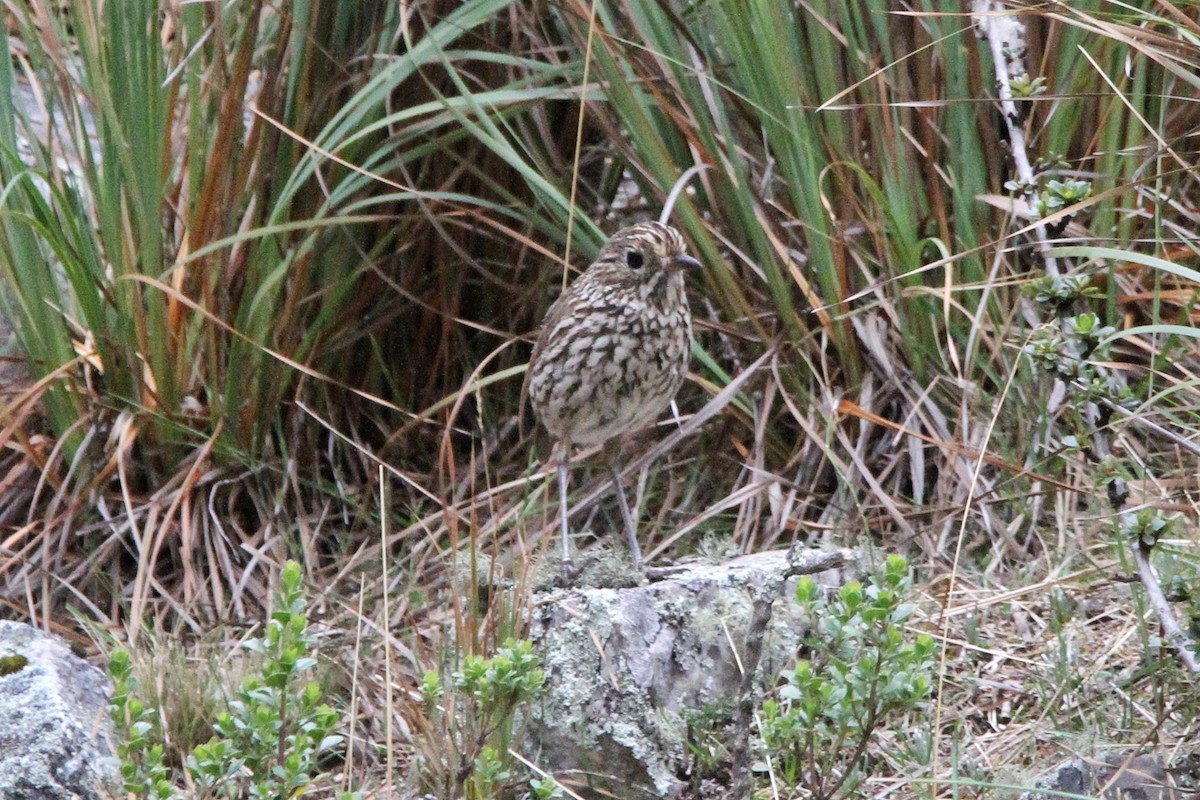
(646, 249)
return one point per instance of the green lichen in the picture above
(12, 663)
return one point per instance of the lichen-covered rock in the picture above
(623, 666)
(55, 732)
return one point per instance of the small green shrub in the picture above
(863, 669)
(470, 724)
(142, 768)
(271, 741)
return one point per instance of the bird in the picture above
(611, 355)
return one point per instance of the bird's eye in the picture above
(635, 259)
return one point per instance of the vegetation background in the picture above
(274, 269)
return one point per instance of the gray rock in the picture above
(56, 738)
(624, 665)
(1122, 776)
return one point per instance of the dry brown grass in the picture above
(861, 328)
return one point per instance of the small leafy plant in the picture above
(863, 668)
(142, 767)
(470, 724)
(271, 741)
(1060, 292)
(1023, 86)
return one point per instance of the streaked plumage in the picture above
(614, 348)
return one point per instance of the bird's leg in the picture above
(626, 514)
(564, 466)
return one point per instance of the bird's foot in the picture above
(568, 573)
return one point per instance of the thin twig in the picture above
(1005, 34)
(1185, 648)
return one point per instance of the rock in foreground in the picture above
(55, 732)
(624, 667)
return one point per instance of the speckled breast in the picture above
(619, 367)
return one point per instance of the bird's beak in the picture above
(684, 262)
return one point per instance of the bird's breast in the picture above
(612, 364)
